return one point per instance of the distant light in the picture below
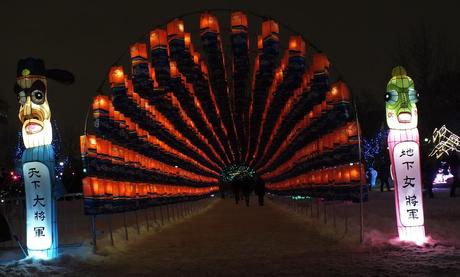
(57, 176)
(61, 163)
(60, 173)
(426, 140)
(11, 173)
(351, 163)
(73, 173)
(2, 200)
(15, 177)
(84, 170)
(176, 166)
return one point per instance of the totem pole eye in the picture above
(38, 97)
(413, 96)
(391, 97)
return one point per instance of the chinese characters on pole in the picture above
(38, 198)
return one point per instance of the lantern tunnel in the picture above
(187, 111)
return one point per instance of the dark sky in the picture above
(86, 37)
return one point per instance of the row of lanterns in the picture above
(105, 150)
(336, 96)
(341, 175)
(119, 81)
(108, 189)
(103, 108)
(336, 140)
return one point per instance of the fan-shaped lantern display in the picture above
(184, 122)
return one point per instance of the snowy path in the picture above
(230, 240)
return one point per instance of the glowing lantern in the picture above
(208, 22)
(339, 93)
(260, 45)
(100, 106)
(175, 29)
(102, 149)
(320, 62)
(355, 173)
(138, 50)
(116, 76)
(239, 22)
(270, 29)
(297, 45)
(88, 146)
(158, 39)
(187, 40)
(173, 69)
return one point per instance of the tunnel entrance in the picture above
(193, 116)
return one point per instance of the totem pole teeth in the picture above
(404, 117)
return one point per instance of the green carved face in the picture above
(401, 97)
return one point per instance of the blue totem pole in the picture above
(38, 157)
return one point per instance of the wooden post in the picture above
(93, 231)
(147, 219)
(109, 223)
(126, 227)
(137, 223)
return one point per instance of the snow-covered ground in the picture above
(229, 240)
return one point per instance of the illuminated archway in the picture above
(183, 115)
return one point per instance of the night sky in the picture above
(86, 37)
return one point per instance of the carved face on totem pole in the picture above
(401, 97)
(31, 89)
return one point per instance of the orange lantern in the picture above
(345, 174)
(260, 45)
(102, 148)
(158, 39)
(239, 21)
(173, 69)
(101, 106)
(175, 29)
(209, 23)
(116, 76)
(320, 62)
(138, 50)
(187, 40)
(88, 146)
(116, 189)
(87, 188)
(297, 45)
(355, 174)
(352, 132)
(339, 93)
(270, 29)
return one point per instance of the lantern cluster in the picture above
(104, 195)
(189, 120)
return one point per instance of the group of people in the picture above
(243, 187)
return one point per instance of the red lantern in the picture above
(175, 29)
(187, 40)
(116, 76)
(173, 69)
(209, 23)
(270, 29)
(138, 50)
(320, 63)
(88, 146)
(297, 46)
(239, 22)
(101, 106)
(158, 39)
